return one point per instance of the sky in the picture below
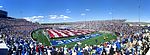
(54, 11)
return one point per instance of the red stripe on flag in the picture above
(51, 34)
(58, 33)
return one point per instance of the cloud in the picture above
(64, 17)
(53, 16)
(87, 10)
(27, 18)
(37, 17)
(82, 14)
(68, 11)
(1, 6)
(110, 13)
(34, 18)
(50, 17)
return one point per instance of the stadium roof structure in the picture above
(3, 14)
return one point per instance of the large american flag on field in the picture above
(67, 33)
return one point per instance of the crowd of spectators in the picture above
(134, 44)
(130, 41)
(17, 27)
(108, 25)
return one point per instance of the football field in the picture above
(43, 38)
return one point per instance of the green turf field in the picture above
(40, 37)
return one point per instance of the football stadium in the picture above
(74, 27)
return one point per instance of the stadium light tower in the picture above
(139, 13)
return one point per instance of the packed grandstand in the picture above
(17, 35)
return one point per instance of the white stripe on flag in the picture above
(70, 33)
(56, 35)
(61, 33)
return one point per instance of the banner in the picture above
(76, 39)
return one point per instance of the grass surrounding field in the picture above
(39, 36)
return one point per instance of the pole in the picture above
(139, 8)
